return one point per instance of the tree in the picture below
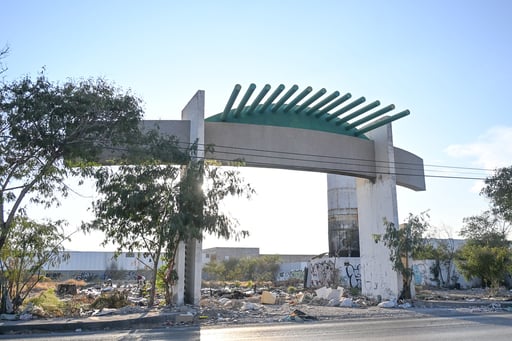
(256, 269)
(498, 189)
(486, 254)
(404, 243)
(156, 205)
(443, 252)
(41, 123)
(486, 229)
(4, 51)
(31, 246)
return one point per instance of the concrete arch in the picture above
(372, 159)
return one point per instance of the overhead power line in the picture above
(404, 167)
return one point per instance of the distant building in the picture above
(96, 266)
(221, 254)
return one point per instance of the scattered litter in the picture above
(299, 316)
(405, 305)
(388, 304)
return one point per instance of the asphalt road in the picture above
(463, 327)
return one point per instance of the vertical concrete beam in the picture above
(193, 112)
(179, 286)
(342, 216)
(188, 265)
(376, 201)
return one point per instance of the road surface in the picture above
(480, 327)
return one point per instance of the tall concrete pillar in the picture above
(376, 201)
(342, 216)
(189, 257)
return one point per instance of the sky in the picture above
(448, 62)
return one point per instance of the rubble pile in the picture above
(252, 305)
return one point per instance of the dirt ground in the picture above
(214, 310)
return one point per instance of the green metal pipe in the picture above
(358, 112)
(244, 100)
(272, 97)
(345, 109)
(310, 100)
(323, 102)
(283, 99)
(333, 105)
(370, 117)
(231, 100)
(296, 100)
(258, 99)
(382, 122)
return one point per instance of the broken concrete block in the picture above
(184, 318)
(323, 292)
(334, 294)
(346, 302)
(268, 298)
(333, 302)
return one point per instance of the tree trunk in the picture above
(152, 291)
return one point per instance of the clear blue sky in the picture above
(448, 62)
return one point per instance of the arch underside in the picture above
(308, 150)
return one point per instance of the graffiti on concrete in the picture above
(53, 275)
(322, 273)
(420, 273)
(331, 272)
(293, 274)
(86, 276)
(353, 274)
(130, 276)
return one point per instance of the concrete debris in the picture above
(26, 317)
(8, 317)
(104, 312)
(268, 297)
(250, 306)
(329, 293)
(388, 304)
(346, 302)
(184, 318)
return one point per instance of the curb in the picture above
(109, 322)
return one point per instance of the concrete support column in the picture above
(179, 286)
(193, 268)
(376, 201)
(189, 262)
(342, 214)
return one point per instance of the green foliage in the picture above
(170, 197)
(115, 299)
(488, 263)
(405, 242)
(486, 229)
(486, 254)
(498, 189)
(41, 123)
(51, 304)
(29, 247)
(443, 252)
(254, 269)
